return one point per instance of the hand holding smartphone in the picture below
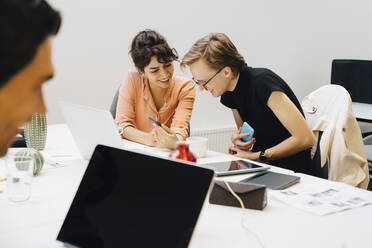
(246, 128)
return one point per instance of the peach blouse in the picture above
(136, 105)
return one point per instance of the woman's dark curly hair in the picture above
(149, 43)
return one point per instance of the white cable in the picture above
(252, 233)
(234, 194)
(242, 219)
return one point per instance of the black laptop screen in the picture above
(127, 199)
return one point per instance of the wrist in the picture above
(256, 156)
(263, 156)
(148, 139)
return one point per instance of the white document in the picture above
(324, 198)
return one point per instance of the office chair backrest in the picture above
(315, 164)
(355, 76)
(114, 103)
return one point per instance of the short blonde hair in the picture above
(218, 51)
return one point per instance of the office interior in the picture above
(298, 40)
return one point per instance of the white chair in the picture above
(328, 112)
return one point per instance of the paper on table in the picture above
(323, 199)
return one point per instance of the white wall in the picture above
(296, 39)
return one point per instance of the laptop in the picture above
(129, 199)
(90, 127)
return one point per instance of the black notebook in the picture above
(272, 180)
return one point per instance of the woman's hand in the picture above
(244, 146)
(150, 139)
(165, 137)
(244, 154)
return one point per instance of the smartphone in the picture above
(155, 121)
(246, 128)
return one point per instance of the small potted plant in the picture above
(36, 132)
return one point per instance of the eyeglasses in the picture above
(203, 84)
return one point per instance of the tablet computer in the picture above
(228, 168)
(272, 180)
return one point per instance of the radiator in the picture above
(219, 139)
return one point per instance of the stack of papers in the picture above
(323, 199)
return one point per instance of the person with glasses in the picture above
(153, 91)
(257, 96)
(27, 28)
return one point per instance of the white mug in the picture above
(198, 146)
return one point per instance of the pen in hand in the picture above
(155, 121)
(162, 126)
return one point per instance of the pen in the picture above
(156, 122)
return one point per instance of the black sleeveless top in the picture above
(249, 98)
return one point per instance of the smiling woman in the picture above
(153, 91)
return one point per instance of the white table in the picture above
(278, 225)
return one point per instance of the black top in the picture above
(250, 97)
